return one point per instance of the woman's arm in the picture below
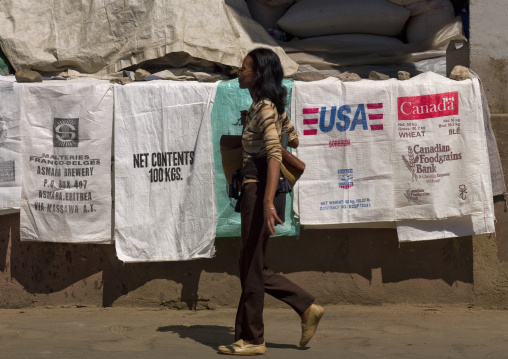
(265, 118)
(288, 128)
(294, 143)
(269, 212)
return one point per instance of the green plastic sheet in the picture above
(4, 68)
(229, 101)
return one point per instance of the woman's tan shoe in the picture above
(239, 348)
(308, 330)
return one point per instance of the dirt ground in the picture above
(352, 332)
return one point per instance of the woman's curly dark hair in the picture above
(268, 79)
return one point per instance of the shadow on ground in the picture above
(214, 335)
(209, 335)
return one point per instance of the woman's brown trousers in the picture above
(256, 278)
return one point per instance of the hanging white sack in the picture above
(165, 201)
(10, 148)
(66, 161)
(346, 143)
(438, 149)
(476, 223)
(414, 230)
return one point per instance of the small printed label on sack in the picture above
(65, 132)
(345, 204)
(4, 129)
(7, 171)
(351, 117)
(417, 196)
(164, 166)
(66, 181)
(339, 143)
(424, 162)
(428, 106)
(444, 107)
(345, 178)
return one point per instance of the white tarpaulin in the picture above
(66, 161)
(109, 35)
(165, 200)
(346, 142)
(391, 150)
(10, 148)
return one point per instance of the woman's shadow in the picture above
(212, 335)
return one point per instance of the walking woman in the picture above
(262, 74)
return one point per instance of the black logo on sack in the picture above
(462, 191)
(65, 132)
(7, 173)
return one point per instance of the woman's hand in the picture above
(269, 212)
(243, 117)
(271, 218)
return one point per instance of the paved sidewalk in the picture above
(351, 332)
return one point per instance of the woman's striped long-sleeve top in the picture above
(262, 132)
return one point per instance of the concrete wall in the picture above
(357, 266)
(491, 252)
(489, 59)
(489, 50)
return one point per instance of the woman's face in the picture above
(246, 73)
